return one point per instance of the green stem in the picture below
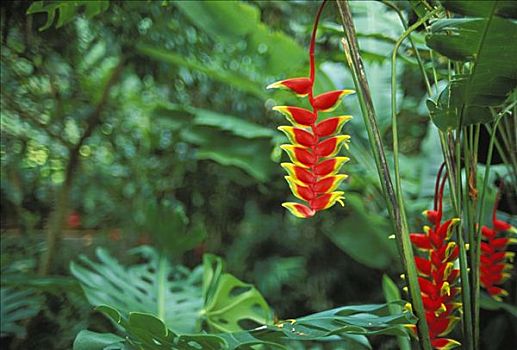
(393, 202)
(412, 275)
(477, 236)
(465, 285)
(435, 76)
(417, 53)
(161, 288)
(504, 157)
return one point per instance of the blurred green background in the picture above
(117, 114)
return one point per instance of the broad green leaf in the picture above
(363, 235)
(445, 112)
(392, 294)
(504, 8)
(232, 21)
(230, 304)
(489, 303)
(88, 340)
(16, 306)
(170, 292)
(222, 20)
(168, 225)
(145, 331)
(110, 312)
(252, 156)
(483, 42)
(214, 72)
(350, 322)
(237, 126)
(225, 139)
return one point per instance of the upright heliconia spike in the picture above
(495, 261)
(313, 173)
(438, 279)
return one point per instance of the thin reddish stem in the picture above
(437, 184)
(312, 74)
(497, 199)
(440, 195)
(313, 41)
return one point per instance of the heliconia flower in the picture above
(495, 262)
(438, 277)
(313, 172)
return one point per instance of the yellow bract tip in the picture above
(281, 109)
(275, 85)
(446, 289)
(440, 310)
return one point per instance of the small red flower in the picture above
(438, 277)
(74, 220)
(495, 261)
(313, 172)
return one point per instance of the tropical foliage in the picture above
(142, 178)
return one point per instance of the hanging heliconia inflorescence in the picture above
(438, 277)
(495, 263)
(313, 174)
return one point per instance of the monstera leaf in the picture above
(16, 306)
(88, 340)
(483, 43)
(172, 293)
(349, 323)
(230, 304)
(229, 307)
(146, 332)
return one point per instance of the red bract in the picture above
(438, 278)
(495, 261)
(312, 175)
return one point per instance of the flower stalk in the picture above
(392, 200)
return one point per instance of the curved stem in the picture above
(477, 234)
(312, 75)
(313, 42)
(417, 53)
